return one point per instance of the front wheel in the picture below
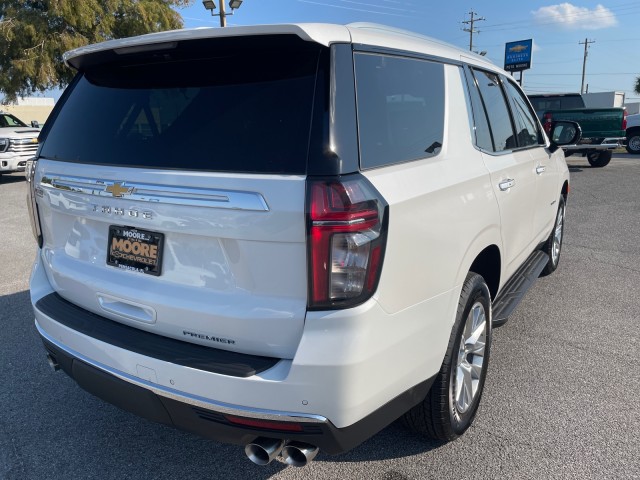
(553, 245)
(633, 143)
(452, 403)
(599, 158)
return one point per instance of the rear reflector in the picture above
(266, 424)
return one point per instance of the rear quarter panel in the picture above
(442, 213)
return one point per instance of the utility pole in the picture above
(584, 61)
(471, 30)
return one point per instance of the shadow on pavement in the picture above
(51, 428)
(13, 178)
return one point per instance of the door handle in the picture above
(506, 184)
(126, 309)
(540, 169)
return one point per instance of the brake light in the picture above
(547, 119)
(32, 206)
(347, 221)
(624, 119)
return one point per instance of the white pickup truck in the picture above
(18, 143)
(633, 134)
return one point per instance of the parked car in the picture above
(18, 143)
(633, 134)
(602, 128)
(292, 244)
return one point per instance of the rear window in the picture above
(556, 103)
(198, 107)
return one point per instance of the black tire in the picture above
(600, 158)
(551, 247)
(438, 416)
(633, 142)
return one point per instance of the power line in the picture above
(632, 10)
(601, 73)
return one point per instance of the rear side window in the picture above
(497, 110)
(400, 108)
(196, 108)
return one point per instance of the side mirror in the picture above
(35, 124)
(564, 132)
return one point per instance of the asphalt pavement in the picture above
(561, 398)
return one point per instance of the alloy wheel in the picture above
(470, 358)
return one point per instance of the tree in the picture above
(34, 34)
(637, 87)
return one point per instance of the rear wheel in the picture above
(452, 403)
(599, 158)
(553, 245)
(633, 142)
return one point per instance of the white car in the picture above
(288, 236)
(18, 143)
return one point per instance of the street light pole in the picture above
(211, 6)
(223, 15)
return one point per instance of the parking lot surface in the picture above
(561, 398)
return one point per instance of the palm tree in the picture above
(637, 87)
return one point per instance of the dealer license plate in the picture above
(134, 249)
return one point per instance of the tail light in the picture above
(547, 119)
(32, 206)
(347, 224)
(624, 119)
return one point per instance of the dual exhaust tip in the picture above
(263, 451)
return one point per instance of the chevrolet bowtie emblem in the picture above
(118, 190)
(518, 48)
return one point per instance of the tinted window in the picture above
(540, 104)
(526, 125)
(481, 123)
(497, 110)
(213, 109)
(7, 120)
(400, 108)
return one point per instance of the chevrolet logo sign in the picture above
(518, 48)
(119, 190)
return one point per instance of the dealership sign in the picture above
(517, 55)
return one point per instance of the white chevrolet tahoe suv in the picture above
(18, 143)
(288, 236)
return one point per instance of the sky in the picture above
(613, 60)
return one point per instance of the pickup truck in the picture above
(18, 143)
(633, 134)
(603, 129)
